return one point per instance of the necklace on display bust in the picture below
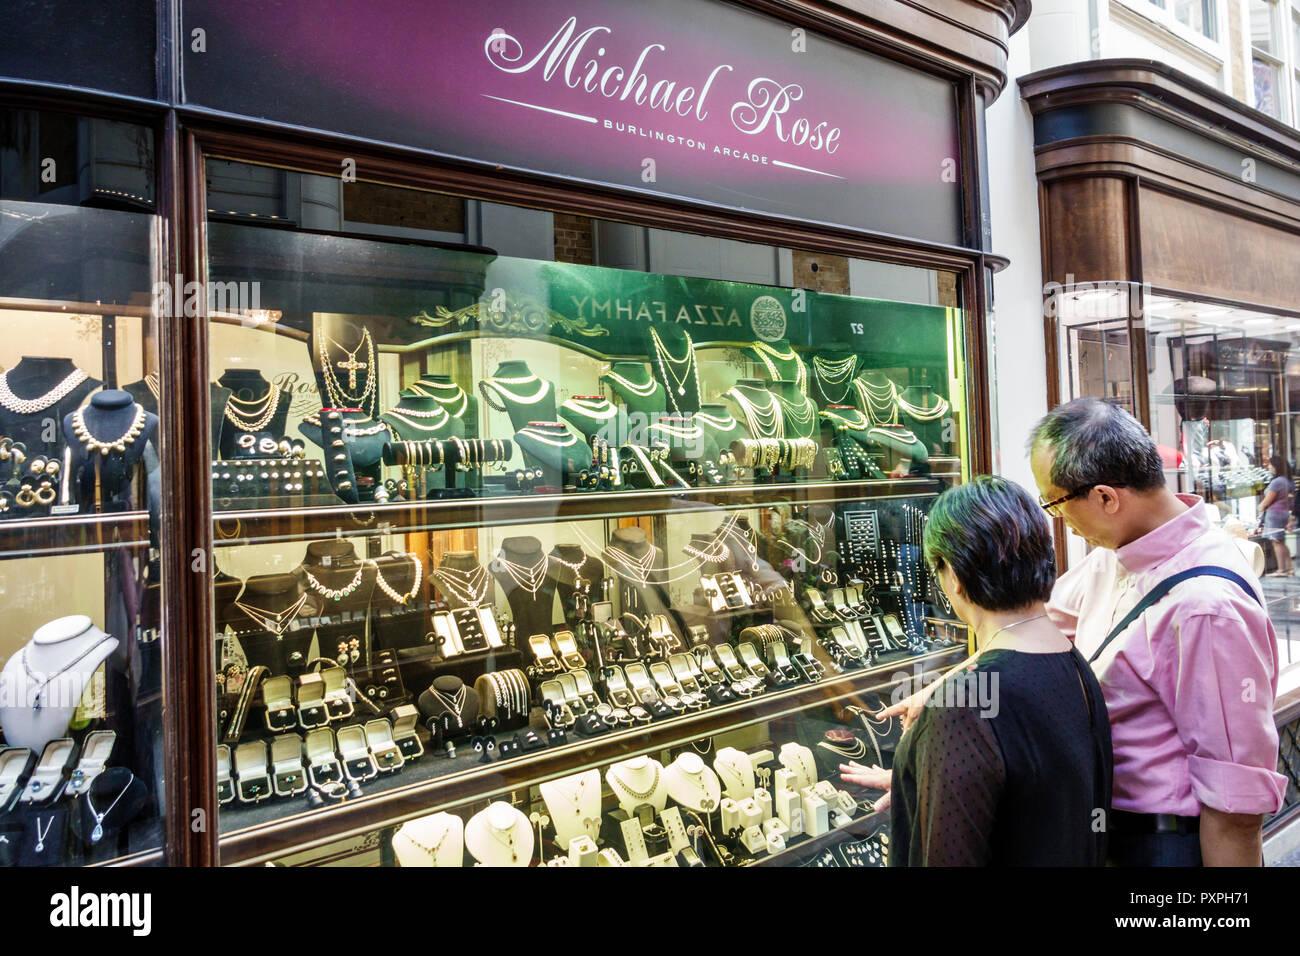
(846, 417)
(639, 796)
(832, 373)
(49, 678)
(632, 567)
(453, 398)
(498, 385)
(469, 587)
(454, 703)
(766, 354)
(641, 391)
(253, 416)
(387, 588)
(717, 424)
(878, 401)
(919, 412)
(597, 408)
(93, 444)
(679, 372)
(508, 841)
(337, 594)
(433, 850)
(529, 578)
(574, 566)
(275, 622)
(432, 420)
(764, 421)
(556, 439)
(30, 406)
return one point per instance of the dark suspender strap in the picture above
(1163, 588)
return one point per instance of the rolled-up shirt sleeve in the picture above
(1220, 692)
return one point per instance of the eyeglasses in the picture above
(1053, 507)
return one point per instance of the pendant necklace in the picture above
(253, 416)
(669, 366)
(575, 566)
(387, 588)
(531, 578)
(636, 568)
(338, 594)
(275, 622)
(508, 843)
(97, 834)
(42, 834)
(470, 587)
(338, 395)
(93, 444)
(42, 684)
(30, 406)
(433, 850)
(454, 704)
(641, 391)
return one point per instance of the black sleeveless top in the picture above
(1006, 766)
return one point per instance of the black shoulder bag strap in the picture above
(1163, 588)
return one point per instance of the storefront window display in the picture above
(80, 689)
(478, 511)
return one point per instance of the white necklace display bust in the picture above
(42, 684)
(435, 840)
(499, 836)
(638, 781)
(692, 784)
(574, 805)
(736, 771)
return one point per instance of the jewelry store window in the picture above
(80, 689)
(496, 485)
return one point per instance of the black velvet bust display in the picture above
(432, 707)
(531, 613)
(577, 589)
(31, 378)
(397, 624)
(540, 409)
(541, 448)
(682, 394)
(465, 561)
(648, 597)
(460, 404)
(331, 340)
(334, 565)
(108, 416)
(798, 412)
(249, 386)
(284, 653)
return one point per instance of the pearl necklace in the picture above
(497, 385)
(921, 414)
(668, 366)
(766, 354)
(531, 578)
(387, 589)
(93, 444)
(472, 587)
(263, 410)
(641, 391)
(30, 406)
(337, 594)
(763, 422)
(401, 416)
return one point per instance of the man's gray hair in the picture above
(1094, 442)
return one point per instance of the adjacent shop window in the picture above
(490, 480)
(81, 685)
(1200, 16)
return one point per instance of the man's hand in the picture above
(1231, 839)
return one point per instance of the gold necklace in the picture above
(668, 366)
(641, 391)
(763, 422)
(264, 409)
(418, 426)
(546, 439)
(457, 395)
(498, 385)
(601, 410)
(833, 373)
(93, 444)
(920, 413)
(338, 396)
(766, 353)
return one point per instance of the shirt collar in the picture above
(1156, 547)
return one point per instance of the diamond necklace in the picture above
(338, 594)
(668, 366)
(97, 834)
(472, 587)
(639, 795)
(547, 439)
(275, 622)
(531, 578)
(454, 703)
(31, 676)
(636, 568)
(30, 406)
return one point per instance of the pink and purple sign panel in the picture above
(697, 99)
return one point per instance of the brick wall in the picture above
(396, 206)
(573, 240)
(821, 272)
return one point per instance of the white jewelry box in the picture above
(48, 777)
(95, 751)
(358, 763)
(405, 719)
(312, 710)
(225, 783)
(277, 695)
(13, 764)
(322, 762)
(379, 738)
(253, 782)
(286, 765)
(338, 704)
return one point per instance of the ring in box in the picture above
(808, 666)
(582, 678)
(894, 628)
(470, 628)
(488, 623)
(225, 783)
(95, 751)
(253, 782)
(312, 710)
(277, 694)
(379, 738)
(358, 763)
(51, 771)
(616, 686)
(286, 764)
(338, 704)
(569, 685)
(405, 718)
(568, 650)
(322, 762)
(13, 767)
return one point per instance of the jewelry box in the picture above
(567, 649)
(13, 767)
(95, 751)
(405, 719)
(286, 765)
(312, 710)
(277, 695)
(253, 781)
(444, 626)
(51, 771)
(338, 704)
(225, 782)
(358, 763)
(379, 738)
(322, 762)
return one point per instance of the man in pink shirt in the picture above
(1189, 684)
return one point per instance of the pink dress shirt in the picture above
(1190, 685)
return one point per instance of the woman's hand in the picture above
(873, 778)
(910, 707)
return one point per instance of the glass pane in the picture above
(81, 687)
(1264, 35)
(1199, 15)
(1268, 95)
(528, 480)
(1224, 402)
